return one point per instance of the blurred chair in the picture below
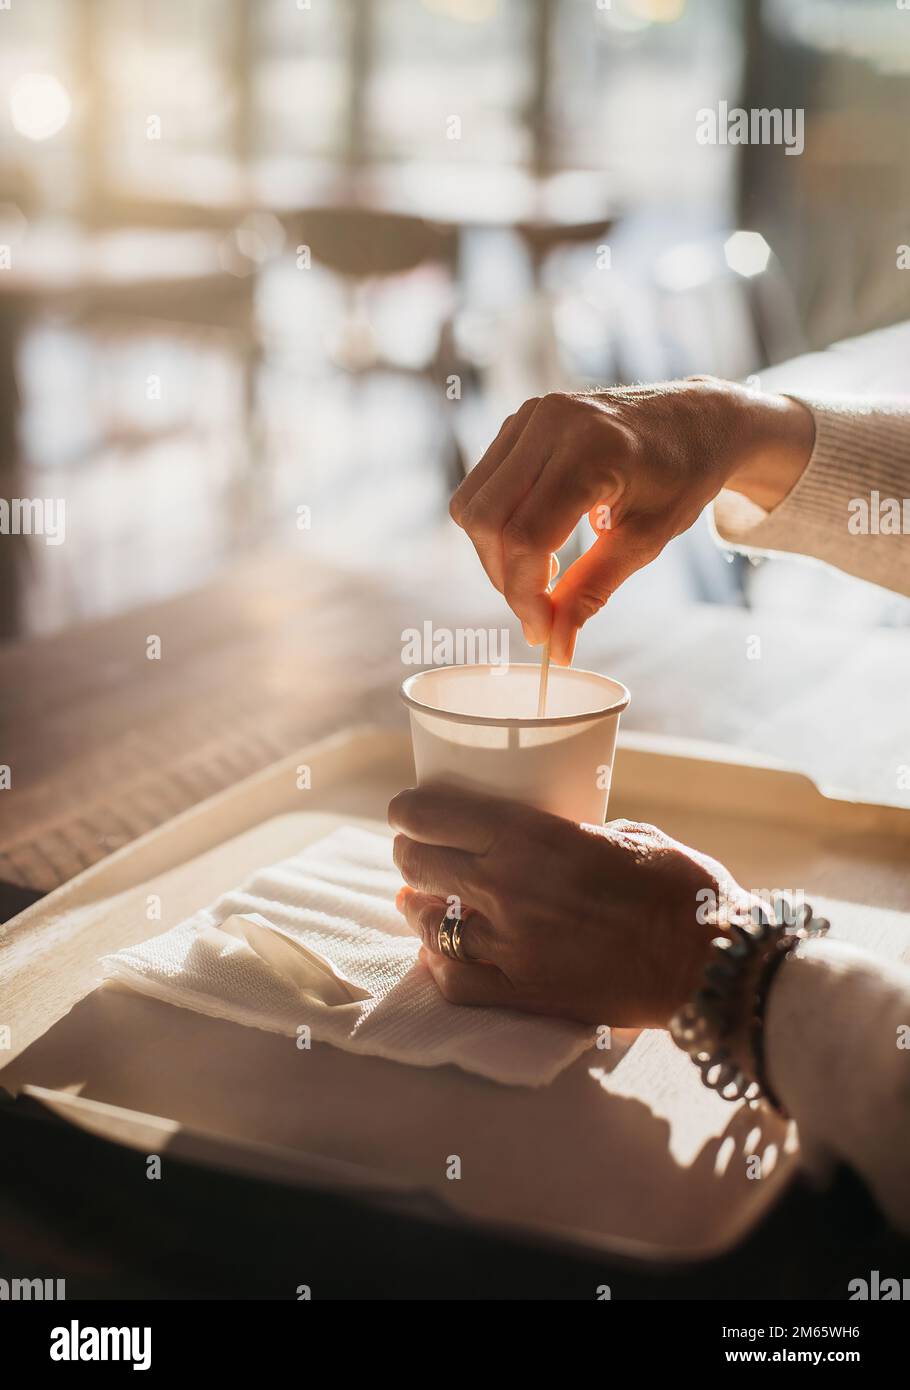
(710, 305)
(366, 246)
(710, 312)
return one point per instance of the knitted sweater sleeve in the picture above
(838, 1022)
(851, 507)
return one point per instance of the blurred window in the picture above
(166, 89)
(864, 29)
(302, 77)
(436, 63)
(626, 82)
(38, 91)
(159, 91)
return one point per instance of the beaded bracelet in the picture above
(731, 1000)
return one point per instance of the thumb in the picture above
(590, 581)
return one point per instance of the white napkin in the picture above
(323, 927)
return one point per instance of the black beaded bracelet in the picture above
(732, 998)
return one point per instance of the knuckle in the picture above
(628, 830)
(554, 404)
(634, 827)
(586, 602)
(406, 855)
(400, 806)
(475, 522)
(519, 533)
(640, 836)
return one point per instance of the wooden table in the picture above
(106, 743)
(455, 195)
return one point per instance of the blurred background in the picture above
(278, 268)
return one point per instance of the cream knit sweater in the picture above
(860, 464)
(836, 1015)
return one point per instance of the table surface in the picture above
(106, 744)
(60, 259)
(454, 194)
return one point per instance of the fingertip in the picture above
(537, 624)
(562, 644)
(395, 815)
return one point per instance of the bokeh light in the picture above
(40, 105)
(747, 253)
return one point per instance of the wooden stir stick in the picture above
(544, 678)
(544, 673)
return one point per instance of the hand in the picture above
(584, 922)
(642, 462)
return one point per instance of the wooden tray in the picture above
(625, 1152)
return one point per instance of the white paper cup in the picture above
(476, 727)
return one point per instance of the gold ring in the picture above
(444, 938)
(458, 940)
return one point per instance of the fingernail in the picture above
(535, 634)
(561, 652)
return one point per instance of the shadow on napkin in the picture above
(315, 948)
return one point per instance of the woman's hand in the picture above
(592, 923)
(642, 462)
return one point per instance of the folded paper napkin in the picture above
(317, 942)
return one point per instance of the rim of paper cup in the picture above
(511, 722)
